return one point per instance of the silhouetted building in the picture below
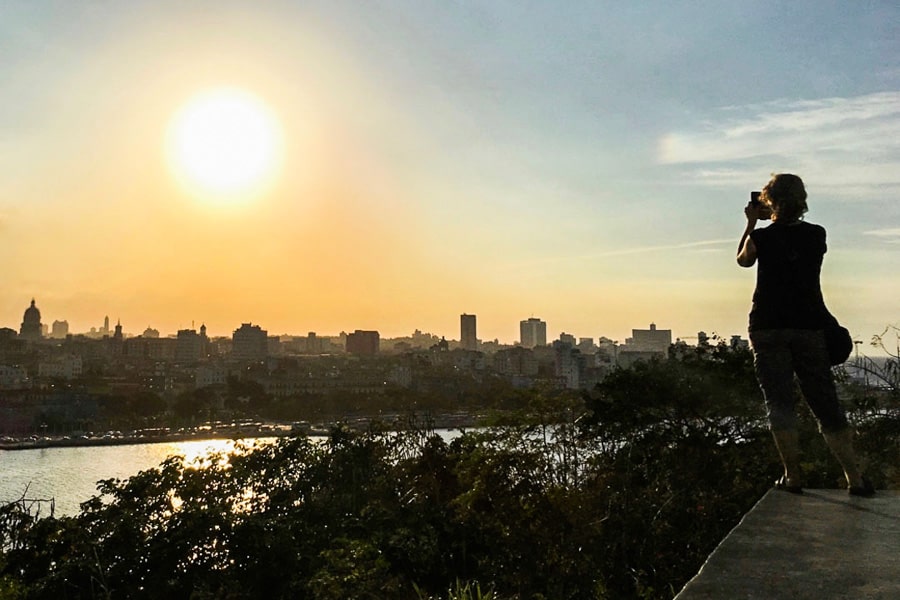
(151, 348)
(59, 330)
(653, 339)
(118, 334)
(61, 367)
(313, 344)
(31, 329)
(644, 345)
(13, 378)
(188, 346)
(250, 343)
(738, 343)
(586, 345)
(210, 375)
(150, 333)
(567, 339)
(467, 333)
(363, 343)
(570, 364)
(533, 333)
(516, 361)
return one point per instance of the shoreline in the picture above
(267, 430)
(41, 443)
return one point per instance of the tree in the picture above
(619, 493)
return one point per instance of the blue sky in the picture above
(584, 162)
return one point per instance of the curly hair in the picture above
(785, 195)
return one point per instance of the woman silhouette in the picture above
(787, 322)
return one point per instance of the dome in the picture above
(32, 314)
(31, 329)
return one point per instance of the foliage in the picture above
(621, 493)
(461, 591)
(875, 398)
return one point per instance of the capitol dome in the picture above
(32, 314)
(31, 323)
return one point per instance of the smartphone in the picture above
(754, 198)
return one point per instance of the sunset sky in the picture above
(582, 162)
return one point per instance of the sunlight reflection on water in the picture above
(70, 475)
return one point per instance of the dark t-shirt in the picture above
(788, 294)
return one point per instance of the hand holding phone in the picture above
(763, 212)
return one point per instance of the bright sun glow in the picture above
(224, 143)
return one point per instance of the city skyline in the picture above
(33, 323)
(391, 167)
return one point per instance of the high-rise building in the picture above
(250, 343)
(467, 332)
(533, 333)
(188, 346)
(31, 329)
(363, 343)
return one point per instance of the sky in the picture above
(586, 163)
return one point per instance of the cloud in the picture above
(700, 246)
(890, 235)
(849, 143)
(704, 245)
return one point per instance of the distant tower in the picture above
(467, 337)
(59, 330)
(533, 333)
(31, 324)
(204, 342)
(105, 325)
(118, 335)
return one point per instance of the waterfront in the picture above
(69, 475)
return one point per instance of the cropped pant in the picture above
(780, 355)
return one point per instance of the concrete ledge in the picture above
(822, 544)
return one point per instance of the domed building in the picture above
(31, 330)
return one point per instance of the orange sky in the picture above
(436, 161)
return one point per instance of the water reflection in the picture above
(70, 475)
(195, 451)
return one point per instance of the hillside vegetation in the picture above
(620, 493)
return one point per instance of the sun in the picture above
(224, 144)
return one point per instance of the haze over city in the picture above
(332, 166)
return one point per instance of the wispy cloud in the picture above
(700, 246)
(844, 142)
(890, 235)
(704, 245)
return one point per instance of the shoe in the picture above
(866, 490)
(781, 484)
